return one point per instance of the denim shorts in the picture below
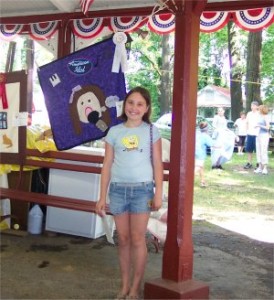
(130, 197)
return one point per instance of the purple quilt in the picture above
(81, 94)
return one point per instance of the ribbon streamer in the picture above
(3, 94)
(120, 55)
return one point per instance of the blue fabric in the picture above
(80, 94)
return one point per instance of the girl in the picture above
(262, 140)
(133, 158)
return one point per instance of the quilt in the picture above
(81, 94)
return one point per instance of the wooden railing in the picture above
(66, 163)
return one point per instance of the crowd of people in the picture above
(252, 136)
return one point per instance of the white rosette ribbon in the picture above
(120, 54)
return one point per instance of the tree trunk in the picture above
(235, 71)
(253, 67)
(165, 90)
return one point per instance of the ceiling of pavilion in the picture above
(13, 8)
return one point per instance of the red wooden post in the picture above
(176, 281)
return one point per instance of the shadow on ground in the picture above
(67, 267)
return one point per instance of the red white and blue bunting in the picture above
(9, 32)
(164, 23)
(127, 24)
(43, 31)
(87, 28)
(213, 21)
(253, 19)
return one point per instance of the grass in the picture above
(236, 189)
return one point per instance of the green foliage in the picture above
(145, 67)
(267, 71)
(213, 48)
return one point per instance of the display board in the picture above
(13, 116)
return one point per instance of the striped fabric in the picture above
(85, 5)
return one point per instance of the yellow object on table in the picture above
(38, 137)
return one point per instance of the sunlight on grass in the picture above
(237, 199)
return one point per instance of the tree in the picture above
(165, 86)
(267, 67)
(235, 47)
(253, 67)
(150, 68)
(212, 47)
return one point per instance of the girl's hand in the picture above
(156, 203)
(100, 207)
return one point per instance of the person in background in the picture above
(240, 124)
(262, 140)
(203, 140)
(223, 147)
(221, 140)
(251, 132)
(132, 169)
(219, 120)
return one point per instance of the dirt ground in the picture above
(55, 266)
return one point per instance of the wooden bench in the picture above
(66, 164)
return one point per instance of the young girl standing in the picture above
(133, 160)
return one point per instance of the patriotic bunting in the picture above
(128, 24)
(9, 32)
(251, 20)
(164, 23)
(254, 19)
(213, 21)
(87, 28)
(43, 31)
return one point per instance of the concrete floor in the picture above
(55, 266)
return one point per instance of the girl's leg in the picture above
(122, 223)
(264, 156)
(138, 228)
(202, 176)
(264, 149)
(258, 151)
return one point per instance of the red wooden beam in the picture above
(238, 5)
(176, 281)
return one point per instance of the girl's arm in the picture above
(158, 174)
(105, 178)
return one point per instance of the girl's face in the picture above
(221, 112)
(135, 107)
